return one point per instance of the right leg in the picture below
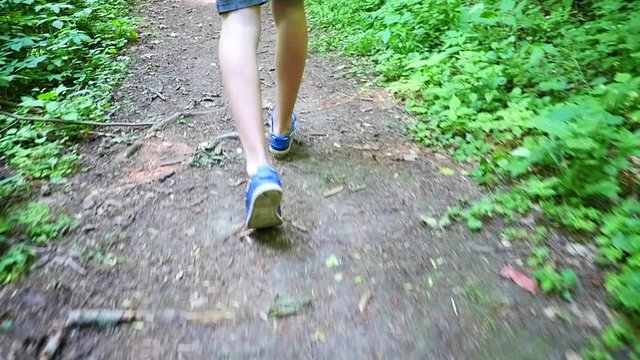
(239, 64)
(291, 55)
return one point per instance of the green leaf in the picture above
(474, 224)
(454, 103)
(553, 127)
(73, 116)
(537, 55)
(385, 35)
(521, 152)
(57, 24)
(556, 85)
(447, 171)
(286, 305)
(109, 261)
(6, 325)
(33, 61)
(568, 277)
(622, 77)
(18, 43)
(332, 261)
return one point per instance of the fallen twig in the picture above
(104, 134)
(86, 317)
(53, 344)
(364, 300)
(299, 226)
(72, 122)
(191, 204)
(156, 92)
(207, 317)
(331, 192)
(103, 317)
(157, 126)
(453, 305)
(364, 147)
(227, 136)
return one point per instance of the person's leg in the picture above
(239, 64)
(291, 55)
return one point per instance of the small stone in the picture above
(33, 299)
(196, 301)
(165, 269)
(572, 355)
(169, 316)
(88, 227)
(88, 203)
(576, 249)
(591, 319)
(45, 190)
(551, 312)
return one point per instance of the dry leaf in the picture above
(334, 191)
(521, 279)
(364, 300)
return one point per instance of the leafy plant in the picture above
(57, 60)
(14, 263)
(543, 96)
(38, 222)
(559, 282)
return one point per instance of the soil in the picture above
(158, 233)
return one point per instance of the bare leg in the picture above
(291, 55)
(239, 64)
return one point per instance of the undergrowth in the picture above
(58, 59)
(544, 96)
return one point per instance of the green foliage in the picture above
(539, 256)
(58, 59)
(34, 224)
(552, 281)
(14, 263)
(621, 339)
(32, 155)
(38, 223)
(619, 244)
(544, 95)
(12, 185)
(505, 204)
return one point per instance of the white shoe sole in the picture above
(279, 152)
(285, 151)
(264, 207)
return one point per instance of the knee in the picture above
(283, 9)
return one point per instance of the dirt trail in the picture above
(157, 233)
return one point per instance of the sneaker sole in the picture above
(264, 210)
(279, 152)
(282, 152)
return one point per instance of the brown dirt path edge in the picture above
(155, 233)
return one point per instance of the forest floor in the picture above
(160, 234)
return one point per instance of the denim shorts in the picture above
(230, 5)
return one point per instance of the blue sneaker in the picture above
(264, 194)
(280, 144)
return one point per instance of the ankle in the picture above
(282, 124)
(252, 168)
